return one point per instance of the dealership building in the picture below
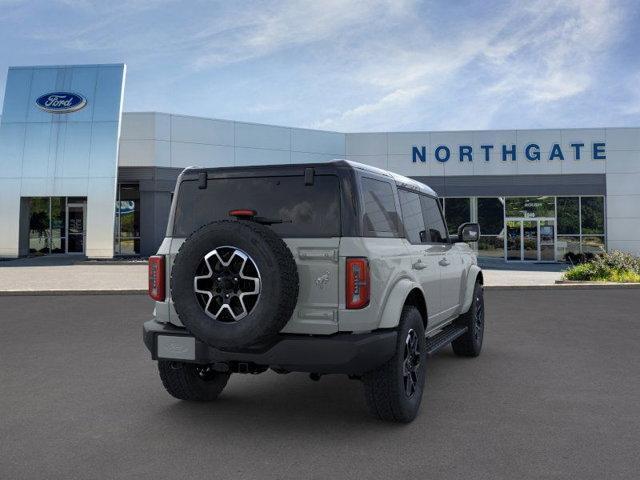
(80, 176)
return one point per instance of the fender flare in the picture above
(396, 299)
(474, 273)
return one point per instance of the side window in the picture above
(380, 215)
(436, 231)
(412, 216)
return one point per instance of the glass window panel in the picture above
(491, 246)
(306, 210)
(530, 240)
(491, 215)
(514, 240)
(436, 230)
(75, 220)
(58, 244)
(568, 216)
(530, 207)
(593, 215)
(593, 244)
(39, 217)
(567, 244)
(39, 225)
(380, 214)
(129, 246)
(58, 216)
(128, 213)
(457, 212)
(75, 243)
(412, 216)
(39, 244)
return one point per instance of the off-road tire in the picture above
(279, 284)
(470, 344)
(384, 387)
(188, 381)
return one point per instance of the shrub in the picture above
(615, 266)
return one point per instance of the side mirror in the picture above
(469, 232)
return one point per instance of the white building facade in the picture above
(537, 194)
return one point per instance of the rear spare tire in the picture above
(234, 284)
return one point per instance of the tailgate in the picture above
(318, 270)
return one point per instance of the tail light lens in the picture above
(358, 286)
(156, 278)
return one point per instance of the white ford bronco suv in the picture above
(322, 268)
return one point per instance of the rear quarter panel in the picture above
(390, 266)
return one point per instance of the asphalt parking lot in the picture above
(554, 395)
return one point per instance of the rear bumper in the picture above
(340, 353)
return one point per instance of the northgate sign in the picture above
(531, 152)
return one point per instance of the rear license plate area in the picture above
(176, 347)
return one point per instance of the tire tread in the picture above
(183, 384)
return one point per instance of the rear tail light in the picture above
(358, 286)
(156, 278)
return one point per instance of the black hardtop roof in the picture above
(320, 168)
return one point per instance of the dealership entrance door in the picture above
(530, 240)
(76, 220)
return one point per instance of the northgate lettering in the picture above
(531, 152)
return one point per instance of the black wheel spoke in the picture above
(411, 362)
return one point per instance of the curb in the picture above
(22, 293)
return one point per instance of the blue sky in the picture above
(372, 65)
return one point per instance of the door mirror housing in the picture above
(469, 232)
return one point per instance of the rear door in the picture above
(425, 256)
(437, 240)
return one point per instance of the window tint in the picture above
(305, 210)
(380, 215)
(436, 231)
(412, 216)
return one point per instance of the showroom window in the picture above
(127, 227)
(491, 220)
(530, 207)
(580, 225)
(592, 220)
(456, 212)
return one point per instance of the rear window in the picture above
(305, 210)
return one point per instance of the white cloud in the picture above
(286, 24)
(534, 55)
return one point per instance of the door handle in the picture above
(418, 265)
(444, 262)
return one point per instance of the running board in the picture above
(444, 338)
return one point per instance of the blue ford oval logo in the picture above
(61, 102)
